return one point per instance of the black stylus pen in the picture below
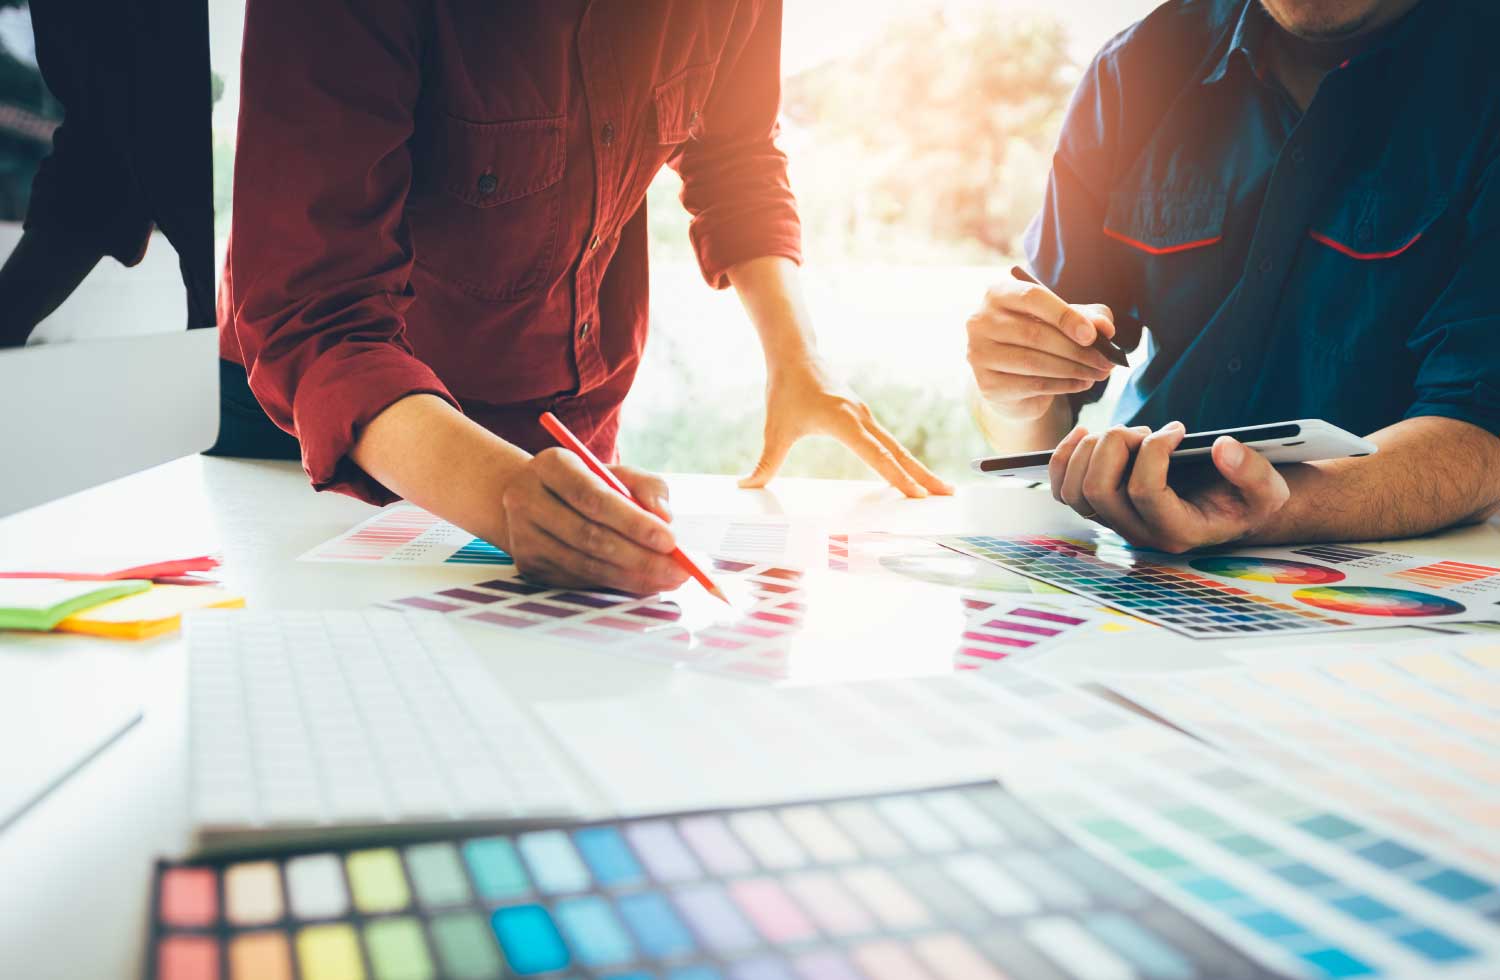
(1101, 343)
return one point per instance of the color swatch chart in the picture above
(405, 534)
(1262, 592)
(963, 883)
(1409, 738)
(1297, 883)
(786, 625)
(1308, 888)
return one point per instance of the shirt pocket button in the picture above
(487, 184)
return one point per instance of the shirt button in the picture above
(607, 134)
(583, 330)
(594, 243)
(1297, 155)
(1233, 364)
(1266, 265)
(488, 183)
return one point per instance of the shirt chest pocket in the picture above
(1170, 242)
(679, 104)
(486, 206)
(1371, 266)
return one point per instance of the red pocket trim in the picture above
(1168, 250)
(1362, 256)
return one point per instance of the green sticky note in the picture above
(398, 950)
(41, 603)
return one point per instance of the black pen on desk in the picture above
(1101, 343)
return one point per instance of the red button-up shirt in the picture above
(448, 196)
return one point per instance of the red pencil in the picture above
(560, 432)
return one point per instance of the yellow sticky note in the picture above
(151, 613)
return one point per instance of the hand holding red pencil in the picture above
(571, 442)
(567, 527)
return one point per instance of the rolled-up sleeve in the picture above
(318, 276)
(1458, 340)
(734, 177)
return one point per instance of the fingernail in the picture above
(1176, 426)
(664, 508)
(1234, 455)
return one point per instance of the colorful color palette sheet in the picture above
(405, 534)
(878, 553)
(962, 883)
(1411, 738)
(786, 625)
(1323, 588)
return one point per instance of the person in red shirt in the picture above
(440, 233)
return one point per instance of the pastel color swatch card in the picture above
(1314, 589)
(1409, 736)
(786, 625)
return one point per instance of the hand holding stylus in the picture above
(1027, 346)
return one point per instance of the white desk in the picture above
(75, 871)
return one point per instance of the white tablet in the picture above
(1302, 441)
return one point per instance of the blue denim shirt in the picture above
(1339, 263)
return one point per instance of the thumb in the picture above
(771, 459)
(1101, 316)
(648, 489)
(1263, 488)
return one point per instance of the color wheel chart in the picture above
(786, 625)
(1267, 591)
(405, 534)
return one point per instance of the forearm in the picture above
(429, 453)
(42, 271)
(1430, 473)
(771, 292)
(1007, 435)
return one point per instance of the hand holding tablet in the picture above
(1174, 492)
(1302, 441)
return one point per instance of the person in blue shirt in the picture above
(1301, 200)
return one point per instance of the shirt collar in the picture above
(1248, 41)
(1249, 38)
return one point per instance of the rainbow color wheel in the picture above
(1268, 570)
(1366, 601)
